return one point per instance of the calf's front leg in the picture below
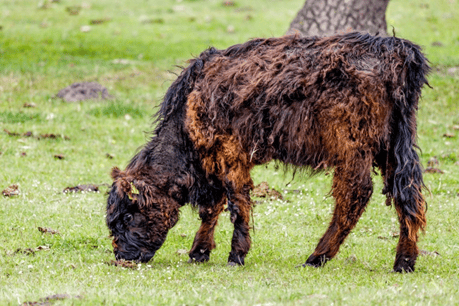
(204, 240)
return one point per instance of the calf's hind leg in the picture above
(407, 250)
(352, 189)
(410, 206)
(204, 240)
(411, 214)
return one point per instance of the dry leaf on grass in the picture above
(59, 156)
(123, 263)
(30, 251)
(49, 300)
(12, 190)
(29, 105)
(53, 136)
(433, 170)
(41, 136)
(73, 10)
(26, 134)
(47, 230)
(428, 253)
(262, 190)
(80, 188)
(99, 21)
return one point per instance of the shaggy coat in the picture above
(345, 102)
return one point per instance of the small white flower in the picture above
(85, 29)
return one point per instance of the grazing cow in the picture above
(346, 102)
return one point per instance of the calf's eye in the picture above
(128, 218)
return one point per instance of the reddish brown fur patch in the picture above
(221, 154)
(413, 226)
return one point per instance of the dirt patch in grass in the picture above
(84, 91)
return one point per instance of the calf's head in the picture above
(139, 215)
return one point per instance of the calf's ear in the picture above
(116, 173)
(124, 185)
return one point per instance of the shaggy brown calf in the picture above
(346, 102)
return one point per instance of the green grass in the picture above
(43, 50)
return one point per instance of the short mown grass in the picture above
(134, 53)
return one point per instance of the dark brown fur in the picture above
(346, 102)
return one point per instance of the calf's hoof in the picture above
(316, 261)
(404, 264)
(199, 257)
(235, 260)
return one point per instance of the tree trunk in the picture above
(326, 17)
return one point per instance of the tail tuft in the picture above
(407, 175)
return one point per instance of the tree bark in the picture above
(326, 17)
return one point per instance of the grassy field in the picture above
(133, 52)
